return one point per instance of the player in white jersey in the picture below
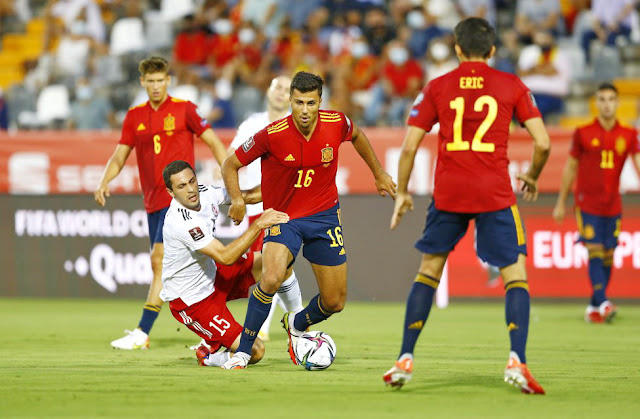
(277, 108)
(199, 273)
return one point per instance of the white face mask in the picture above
(246, 35)
(222, 26)
(78, 28)
(439, 51)
(84, 93)
(398, 55)
(415, 19)
(359, 49)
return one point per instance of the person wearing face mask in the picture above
(90, 110)
(400, 82)
(222, 45)
(546, 71)
(440, 59)
(424, 29)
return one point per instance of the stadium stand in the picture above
(328, 37)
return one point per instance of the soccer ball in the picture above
(315, 350)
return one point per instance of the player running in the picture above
(288, 295)
(598, 153)
(199, 273)
(299, 163)
(474, 105)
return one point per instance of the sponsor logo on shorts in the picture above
(274, 231)
(589, 232)
(196, 233)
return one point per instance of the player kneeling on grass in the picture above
(199, 273)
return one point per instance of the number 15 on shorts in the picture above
(221, 325)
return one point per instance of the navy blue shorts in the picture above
(598, 229)
(156, 222)
(500, 235)
(320, 233)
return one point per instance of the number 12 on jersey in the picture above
(458, 105)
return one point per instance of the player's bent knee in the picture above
(257, 351)
(334, 304)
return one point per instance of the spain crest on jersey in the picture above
(327, 154)
(169, 123)
(621, 145)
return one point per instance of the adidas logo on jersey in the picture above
(342, 252)
(290, 158)
(141, 127)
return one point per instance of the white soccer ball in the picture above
(315, 350)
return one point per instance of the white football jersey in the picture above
(187, 273)
(251, 175)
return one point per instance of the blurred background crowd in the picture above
(73, 63)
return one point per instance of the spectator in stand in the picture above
(424, 29)
(356, 73)
(399, 84)
(345, 29)
(546, 71)
(74, 50)
(190, 47)
(14, 14)
(485, 9)
(72, 10)
(90, 110)
(267, 15)
(440, 59)
(249, 57)
(536, 15)
(377, 31)
(611, 20)
(222, 46)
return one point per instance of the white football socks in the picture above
(290, 294)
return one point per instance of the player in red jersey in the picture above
(598, 152)
(299, 158)
(474, 105)
(161, 131)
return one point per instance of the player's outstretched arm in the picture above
(230, 168)
(114, 166)
(541, 150)
(214, 143)
(404, 202)
(384, 182)
(229, 254)
(568, 175)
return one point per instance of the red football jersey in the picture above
(160, 137)
(601, 155)
(474, 105)
(298, 176)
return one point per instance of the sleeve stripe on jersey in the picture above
(282, 125)
(185, 214)
(202, 188)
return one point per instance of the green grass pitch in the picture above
(55, 361)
